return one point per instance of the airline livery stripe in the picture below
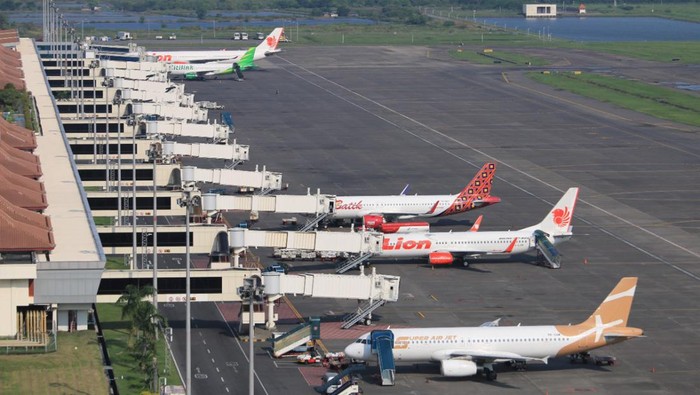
(629, 292)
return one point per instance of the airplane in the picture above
(202, 71)
(468, 351)
(375, 210)
(442, 248)
(266, 48)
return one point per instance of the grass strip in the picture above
(116, 333)
(660, 102)
(75, 368)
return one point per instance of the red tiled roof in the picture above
(22, 191)
(18, 236)
(20, 166)
(16, 135)
(10, 57)
(9, 36)
(18, 153)
(25, 216)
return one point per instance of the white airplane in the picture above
(467, 351)
(375, 210)
(202, 71)
(266, 48)
(442, 248)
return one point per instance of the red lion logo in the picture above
(562, 217)
(271, 42)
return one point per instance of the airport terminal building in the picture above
(51, 260)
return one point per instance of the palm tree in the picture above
(132, 297)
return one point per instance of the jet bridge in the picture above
(317, 204)
(151, 67)
(160, 96)
(172, 110)
(149, 86)
(362, 242)
(247, 181)
(136, 74)
(179, 127)
(370, 287)
(171, 150)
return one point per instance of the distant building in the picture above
(540, 10)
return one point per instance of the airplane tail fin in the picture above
(269, 45)
(558, 220)
(477, 224)
(477, 193)
(616, 307)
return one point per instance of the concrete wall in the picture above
(13, 293)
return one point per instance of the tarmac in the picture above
(369, 120)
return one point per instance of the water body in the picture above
(130, 21)
(603, 28)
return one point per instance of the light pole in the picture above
(251, 292)
(188, 201)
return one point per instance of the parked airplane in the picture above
(375, 210)
(201, 71)
(442, 248)
(467, 351)
(266, 48)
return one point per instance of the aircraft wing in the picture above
(491, 355)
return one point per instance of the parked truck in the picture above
(124, 36)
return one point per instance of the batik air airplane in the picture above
(467, 351)
(376, 210)
(442, 248)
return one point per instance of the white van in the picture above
(236, 36)
(244, 36)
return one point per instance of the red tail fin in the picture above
(477, 194)
(477, 224)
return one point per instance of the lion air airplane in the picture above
(442, 248)
(468, 351)
(375, 210)
(266, 48)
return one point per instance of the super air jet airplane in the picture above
(376, 210)
(468, 351)
(442, 248)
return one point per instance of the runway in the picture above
(369, 120)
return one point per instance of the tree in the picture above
(201, 10)
(132, 297)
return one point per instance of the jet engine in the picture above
(373, 221)
(440, 258)
(458, 368)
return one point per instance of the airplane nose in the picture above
(354, 350)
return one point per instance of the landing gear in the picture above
(465, 262)
(582, 357)
(519, 366)
(490, 374)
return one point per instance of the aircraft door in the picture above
(331, 206)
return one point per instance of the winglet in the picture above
(477, 194)
(405, 189)
(477, 224)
